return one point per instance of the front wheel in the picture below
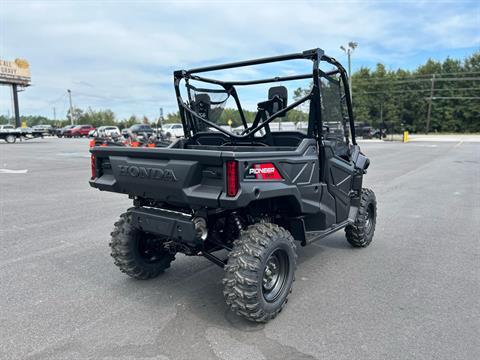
(138, 254)
(260, 272)
(360, 233)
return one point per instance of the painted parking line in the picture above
(9, 171)
(76, 154)
(460, 143)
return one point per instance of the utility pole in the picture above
(381, 112)
(352, 45)
(161, 118)
(71, 106)
(54, 114)
(432, 88)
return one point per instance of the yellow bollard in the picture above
(405, 136)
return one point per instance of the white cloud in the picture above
(121, 55)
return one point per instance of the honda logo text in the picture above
(146, 172)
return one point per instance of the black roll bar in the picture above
(303, 55)
(315, 55)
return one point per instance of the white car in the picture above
(7, 128)
(24, 130)
(46, 129)
(105, 131)
(173, 130)
(239, 129)
(283, 126)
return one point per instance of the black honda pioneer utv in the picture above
(256, 193)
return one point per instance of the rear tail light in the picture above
(92, 165)
(232, 178)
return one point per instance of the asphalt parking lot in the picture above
(413, 294)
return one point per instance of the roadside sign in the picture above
(15, 72)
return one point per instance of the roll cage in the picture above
(191, 118)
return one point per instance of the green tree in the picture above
(97, 118)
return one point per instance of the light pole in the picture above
(352, 45)
(71, 106)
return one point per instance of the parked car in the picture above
(44, 129)
(68, 132)
(239, 129)
(25, 130)
(79, 131)
(104, 131)
(138, 130)
(61, 131)
(378, 133)
(173, 130)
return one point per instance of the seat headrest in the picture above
(202, 105)
(279, 93)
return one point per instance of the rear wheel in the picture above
(10, 139)
(136, 253)
(260, 272)
(360, 233)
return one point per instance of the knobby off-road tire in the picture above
(138, 254)
(360, 233)
(252, 289)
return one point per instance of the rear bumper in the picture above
(170, 224)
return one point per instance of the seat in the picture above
(202, 106)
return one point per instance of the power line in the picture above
(416, 90)
(94, 96)
(394, 82)
(56, 100)
(446, 74)
(437, 75)
(454, 97)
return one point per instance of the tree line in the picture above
(438, 96)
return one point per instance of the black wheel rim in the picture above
(150, 249)
(275, 275)
(370, 218)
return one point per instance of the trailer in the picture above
(11, 135)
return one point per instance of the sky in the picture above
(121, 55)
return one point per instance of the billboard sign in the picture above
(15, 72)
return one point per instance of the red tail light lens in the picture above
(232, 178)
(92, 164)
